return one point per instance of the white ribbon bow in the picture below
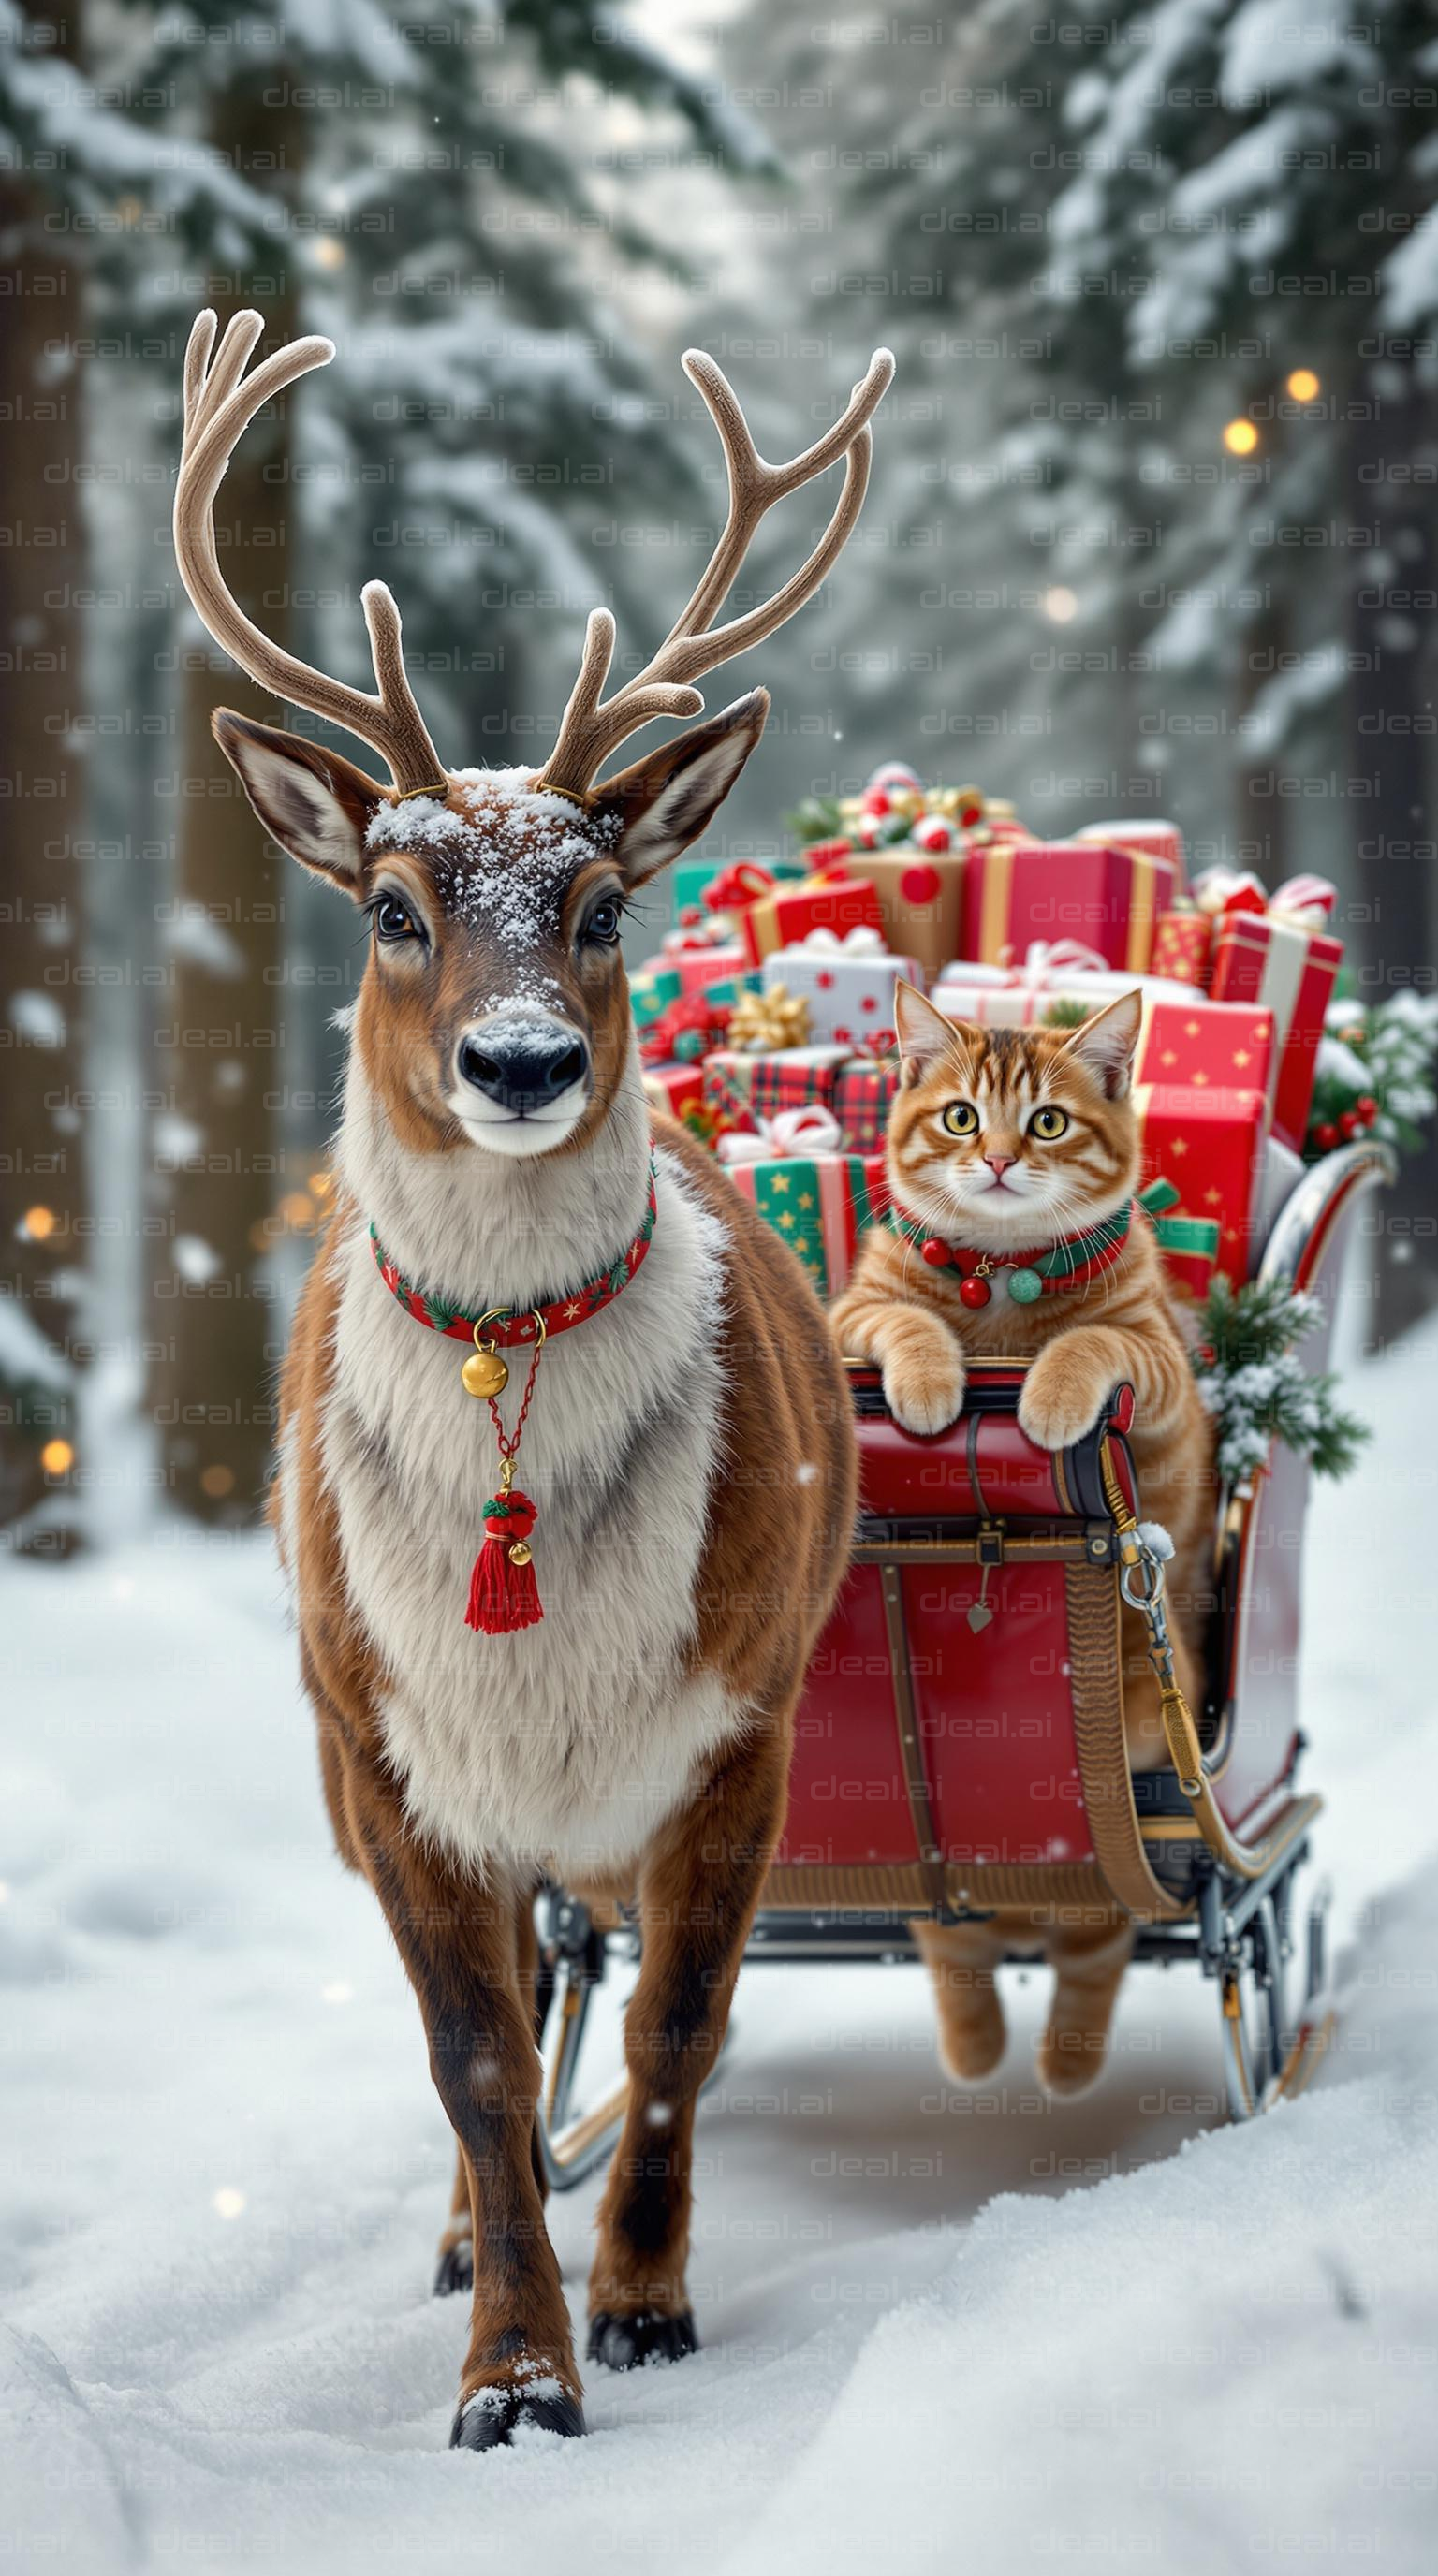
(861, 941)
(807, 1131)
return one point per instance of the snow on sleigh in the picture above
(947, 1764)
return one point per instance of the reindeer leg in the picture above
(457, 1940)
(455, 2269)
(699, 1887)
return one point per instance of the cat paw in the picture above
(1063, 1398)
(925, 1400)
(1070, 2062)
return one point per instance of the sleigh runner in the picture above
(960, 1745)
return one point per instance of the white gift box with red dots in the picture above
(848, 984)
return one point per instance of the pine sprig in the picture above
(1252, 1381)
(1375, 1074)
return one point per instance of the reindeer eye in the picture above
(1048, 1125)
(961, 1119)
(603, 923)
(393, 920)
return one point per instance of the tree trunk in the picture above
(218, 1151)
(1390, 767)
(42, 560)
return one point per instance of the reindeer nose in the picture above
(524, 1070)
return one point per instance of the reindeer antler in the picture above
(593, 726)
(220, 402)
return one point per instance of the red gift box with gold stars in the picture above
(1201, 1090)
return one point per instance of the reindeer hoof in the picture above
(489, 2419)
(625, 2343)
(455, 2269)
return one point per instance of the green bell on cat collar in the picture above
(1025, 1286)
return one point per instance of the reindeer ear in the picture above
(316, 804)
(1105, 1044)
(925, 1037)
(667, 799)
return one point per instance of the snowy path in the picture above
(923, 2344)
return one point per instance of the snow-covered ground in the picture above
(940, 2329)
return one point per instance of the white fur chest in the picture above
(571, 1741)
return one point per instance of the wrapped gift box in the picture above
(863, 1096)
(700, 886)
(1182, 939)
(1206, 1045)
(919, 894)
(1015, 892)
(1208, 1143)
(677, 1088)
(740, 1087)
(652, 987)
(847, 983)
(1290, 971)
(1159, 838)
(707, 963)
(1189, 1244)
(788, 914)
(1017, 997)
(820, 1204)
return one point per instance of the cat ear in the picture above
(925, 1037)
(1105, 1044)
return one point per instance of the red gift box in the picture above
(1181, 942)
(1015, 892)
(675, 1088)
(1209, 1144)
(828, 902)
(1219, 1046)
(1160, 839)
(1290, 971)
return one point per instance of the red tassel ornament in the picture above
(503, 1594)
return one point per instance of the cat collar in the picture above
(1069, 1263)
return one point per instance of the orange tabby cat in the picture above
(1005, 1141)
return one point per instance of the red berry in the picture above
(975, 1292)
(1348, 1125)
(937, 1254)
(1326, 1136)
(1366, 1109)
(875, 801)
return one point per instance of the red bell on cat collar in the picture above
(974, 1292)
(936, 1252)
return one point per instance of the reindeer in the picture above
(612, 1704)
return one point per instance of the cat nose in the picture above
(999, 1163)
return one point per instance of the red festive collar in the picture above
(1069, 1263)
(503, 1326)
(503, 1594)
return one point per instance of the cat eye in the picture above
(393, 920)
(1048, 1125)
(961, 1119)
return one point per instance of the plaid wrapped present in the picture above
(863, 1097)
(739, 1087)
(820, 1204)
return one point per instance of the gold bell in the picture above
(521, 1553)
(484, 1372)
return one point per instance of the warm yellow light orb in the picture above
(38, 1222)
(1060, 604)
(1240, 438)
(57, 1457)
(1304, 385)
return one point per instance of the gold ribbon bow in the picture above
(762, 1023)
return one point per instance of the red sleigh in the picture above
(947, 1764)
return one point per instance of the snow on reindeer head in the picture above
(494, 1008)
